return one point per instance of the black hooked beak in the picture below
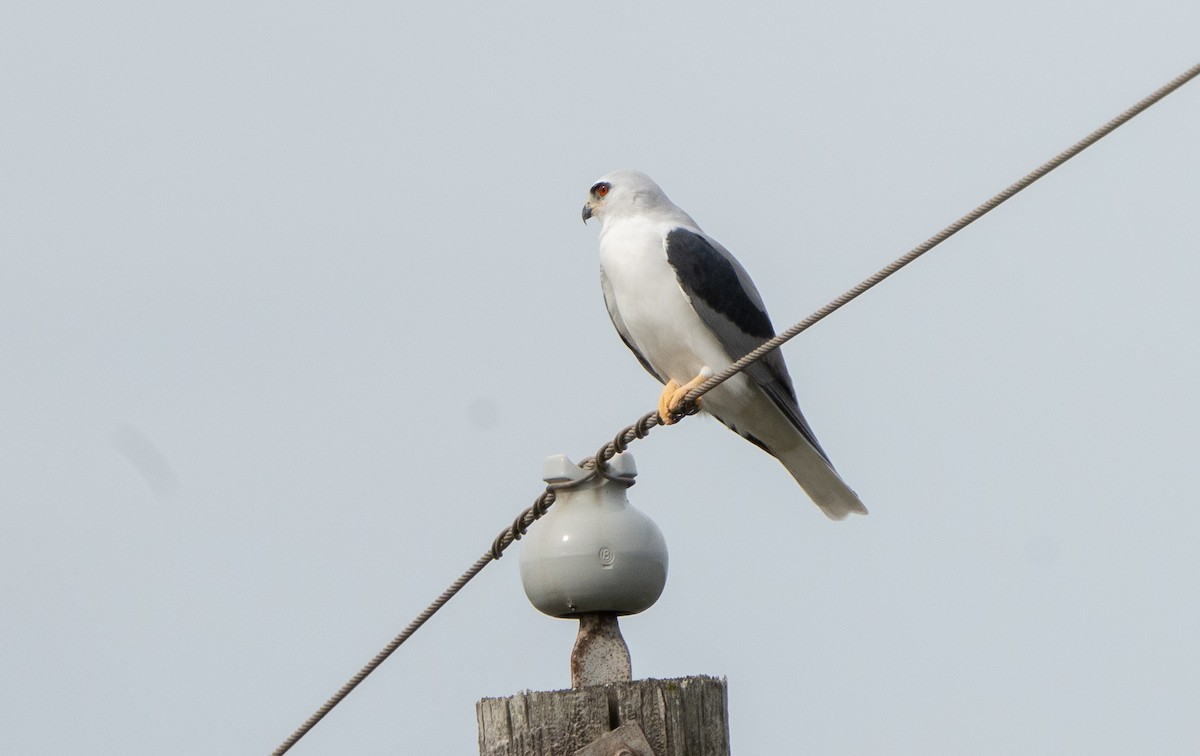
(587, 212)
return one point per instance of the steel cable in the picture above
(644, 424)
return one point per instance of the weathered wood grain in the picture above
(681, 717)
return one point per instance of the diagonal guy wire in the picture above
(944, 234)
(599, 462)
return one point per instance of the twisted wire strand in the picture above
(597, 464)
(598, 468)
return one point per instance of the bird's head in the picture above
(623, 193)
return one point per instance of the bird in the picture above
(686, 308)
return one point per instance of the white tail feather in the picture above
(821, 482)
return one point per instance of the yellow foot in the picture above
(671, 400)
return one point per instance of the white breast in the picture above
(660, 319)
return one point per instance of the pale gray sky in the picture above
(294, 300)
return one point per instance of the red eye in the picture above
(600, 190)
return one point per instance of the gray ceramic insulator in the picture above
(592, 551)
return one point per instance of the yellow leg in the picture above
(664, 402)
(673, 394)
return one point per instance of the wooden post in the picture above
(682, 717)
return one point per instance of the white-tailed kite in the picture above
(687, 308)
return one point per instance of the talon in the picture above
(671, 401)
(664, 403)
(675, 403)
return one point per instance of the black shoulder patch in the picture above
(703, 272)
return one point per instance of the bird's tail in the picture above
(820, 481)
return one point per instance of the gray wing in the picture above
(726, 300)
(618, 322)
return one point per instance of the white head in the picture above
(627, 193)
